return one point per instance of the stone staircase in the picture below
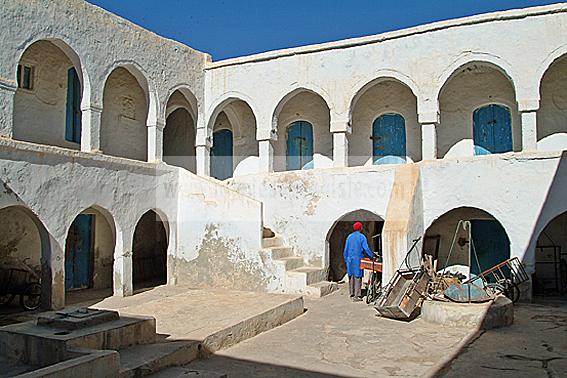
(294, 276)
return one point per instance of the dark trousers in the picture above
(354, 286)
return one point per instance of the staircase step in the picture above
(146, 359)
(184, 372)
(281, 252)
(320, 289)
(290, 263)
(297, 279)
(275, 241)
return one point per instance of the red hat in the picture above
(357, 226)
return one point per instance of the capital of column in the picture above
(430, 117)
(526, 105)
(266, 134)
(95, 108)
(158, 124)
(340, 125)
(202, 139)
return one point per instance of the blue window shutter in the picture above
(73, 113)
(389, 139)
(299, 152)
(222, 155)
(492, 130)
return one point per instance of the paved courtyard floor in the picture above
(534, 346)
(336, 337)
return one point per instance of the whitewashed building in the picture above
(112, 136)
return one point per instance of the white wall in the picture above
(552, 115)
(19, 238)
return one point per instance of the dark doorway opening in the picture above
(149, 252)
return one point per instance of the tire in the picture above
(31, 300)
(496, 288)
(6, 299)
(512, 292)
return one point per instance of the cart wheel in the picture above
(6, 299)
(31, 300)
(512, 292)
(496, 288)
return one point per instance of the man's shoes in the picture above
(356, 299)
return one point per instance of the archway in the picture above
(472, 87)
(380, 100)
(47, 104)
(336, 238)
(89, 251)
(552, 114)
(299, 146)
(149, 251)
(305, 106)
(238, 154)
(124, 116)
(490, 240)
(24, 246)
(179, 132)
(550, 277)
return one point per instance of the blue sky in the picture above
(229, 28)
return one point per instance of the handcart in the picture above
(404, 294)
(504, 278)
(23, 281)
(374, 266)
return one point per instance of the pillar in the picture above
(155, 141)
(203, 152)
(266, 138)
(428, 141)
(7, 93)
(122, 268)
(53, 273)
(340, 127)
(529, 131)
(91, 121)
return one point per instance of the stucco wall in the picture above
(19, 238)
(552, 115)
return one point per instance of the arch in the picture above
(547, 62)
(338, 232)
(492, 129)
(180, 132)
(26, 243)
(380, 76)
(149, 250)
(303, 104)
(43, 111)
(223, 101)
(389, 139)
(89, 250)
(186, 92)
(129, 106)
(550, 276)
(472, 86)
(552, 112)
(294, 92)
(490, 239)
(299, 146)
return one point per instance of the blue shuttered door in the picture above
(389, 139)
(492, 128)
(73, 112)
(299, 153)
(221, 155)
(491, 244)
(79, 253)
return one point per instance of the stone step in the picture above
(275, 241)
(147, 359)
(320, 289)
(184, 372)
(280, 252)
(298, 279)
(290, 263)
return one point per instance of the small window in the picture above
(25, 76)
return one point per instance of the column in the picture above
(428, 141)
(122, 269)
(53, 274)
(340, 127)
(155, 141)
(266, 138)
(340, 149)
(91, 121)
(7, 93)
(529, 131)
(203, 152)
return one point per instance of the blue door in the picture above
(221, 154)
(491, 244)
(73, 113)
(492, 127)
(299, 153)
(389, 139)
(79, 253)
